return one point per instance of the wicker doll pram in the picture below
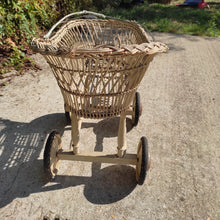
(98, 65)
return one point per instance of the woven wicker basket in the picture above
(98, 64)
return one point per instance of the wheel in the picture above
(143, 161)
(137, 109)
(51, 162)
(68, 119)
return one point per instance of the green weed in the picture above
(19, 22)
(169, 18)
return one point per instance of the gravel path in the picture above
(181, 119)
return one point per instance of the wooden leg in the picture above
(122, 143)
(76, 126)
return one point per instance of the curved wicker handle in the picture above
(74, 14)
(84, 12)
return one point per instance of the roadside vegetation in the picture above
(21, 20)
(169, 18)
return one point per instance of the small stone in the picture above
(182, 199)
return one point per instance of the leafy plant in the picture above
(19, 21)
(213, 27)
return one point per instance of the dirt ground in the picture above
(181, 119)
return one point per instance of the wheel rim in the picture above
(51, 161)
(143, 163)
(54, 161)
(139, 161)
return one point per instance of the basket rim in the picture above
(48, 46)
(102, 50)
(105, 50)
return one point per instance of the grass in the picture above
(169, 18)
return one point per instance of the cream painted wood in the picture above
(100, 157)
(130, 111)
(76, 126)
(122, 142)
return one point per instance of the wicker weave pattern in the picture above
(87, 33)
(98, 64)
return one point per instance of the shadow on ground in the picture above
(21, 171)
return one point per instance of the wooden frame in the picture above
(99, 157)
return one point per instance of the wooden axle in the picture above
(99, 157)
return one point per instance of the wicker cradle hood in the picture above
(98, 63)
